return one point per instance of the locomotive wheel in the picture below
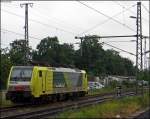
(66, 96)
(74, 96)
(54, 99)
(14, 100)
(58, 97)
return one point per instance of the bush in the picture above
(114, 84)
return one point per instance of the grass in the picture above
(107, 90)
(104, 90)
(3, 101)
(122, 107)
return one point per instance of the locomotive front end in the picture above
(19, 83)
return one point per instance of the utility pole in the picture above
(145, 58)
(81, 47)
(149, 48)
(139, 60)
(139, 54)
(26, 28)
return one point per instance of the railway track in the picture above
(26, 105)
(5, 109)
(53, 110)
(17, 106)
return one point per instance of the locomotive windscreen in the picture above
(21, 74)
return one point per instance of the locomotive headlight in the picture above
(19, 88)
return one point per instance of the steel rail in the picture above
(26, 105)
(15, 107)
(55, 110)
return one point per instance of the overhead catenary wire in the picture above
(38, 11)
(146, 20)
(106, 15)
(20, 34)
(4, 44)
(105, 21)
(36, 21)
(145, 8)
(122, 10)
(70, 26)
(122, 41)
(40, 39)
(46, 17)
(118, 48)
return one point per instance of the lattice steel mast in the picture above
(139, 55)
(26, 30)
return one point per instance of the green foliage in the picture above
(95, 60)
(123, 107)
(144, 75)
(47, 50)
(128, 84)
(99, 62)
(50, 51)
(114, 84)
(14, 56)
(18, 49)
(91, 58)
(5, 67)
(4, 102)
(105, 90)
(115, 64)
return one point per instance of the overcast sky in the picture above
(67, 19)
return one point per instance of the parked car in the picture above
(94, 85)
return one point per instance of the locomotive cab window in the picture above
(21, 73)
(40, 73)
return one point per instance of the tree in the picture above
(129, 67)
(91, 52)
(144, 75)
(66, 54)
(97, 61)
(5, 67)
(50, 51)
(18, 50)
(117, 65)
(47, 51)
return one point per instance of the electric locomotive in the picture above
(45, 83)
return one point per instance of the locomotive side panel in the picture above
(42, 81)
(75, 79)
(85, 82)
(59, 83)
(49, 81)
(64, 82)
